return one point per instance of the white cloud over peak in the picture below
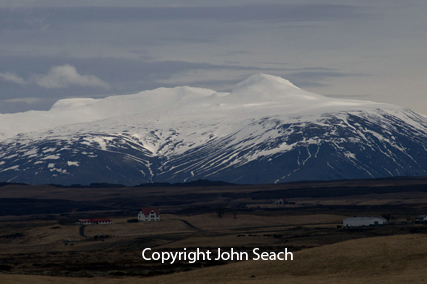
(65, 76)
(23, 100)
(58, 77)
(11, 77)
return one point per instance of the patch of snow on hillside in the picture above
(52, 157)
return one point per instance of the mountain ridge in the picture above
(265, 131)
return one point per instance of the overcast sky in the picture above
(368, 50)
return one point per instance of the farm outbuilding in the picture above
(421, 219)
(93, 221)
(364, 222)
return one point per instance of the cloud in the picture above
(57, 77)
(11, 77)
(230, 13)
(23, 100)
(316, 77)
(65, 76)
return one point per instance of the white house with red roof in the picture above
(148, 214)
(281, 201)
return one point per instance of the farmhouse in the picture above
(281, 201)
(93, 221)
(421, 219)
(148, 214)
(363, 222)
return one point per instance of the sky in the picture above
(359, 49)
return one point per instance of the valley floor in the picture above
(392, 259)
(44, 248)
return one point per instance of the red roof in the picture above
(147, 211)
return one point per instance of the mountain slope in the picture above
(266, 130)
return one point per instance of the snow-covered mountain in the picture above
(266, 130)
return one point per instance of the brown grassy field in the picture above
(32, 235)
(392, 259)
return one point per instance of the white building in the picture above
(421, 219)
(363, 222)
(281, 201)
(148, 214)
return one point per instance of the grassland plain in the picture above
(33, 247)
(391, 259)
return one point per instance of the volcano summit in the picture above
(266, 130)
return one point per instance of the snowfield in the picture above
(265, 130)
